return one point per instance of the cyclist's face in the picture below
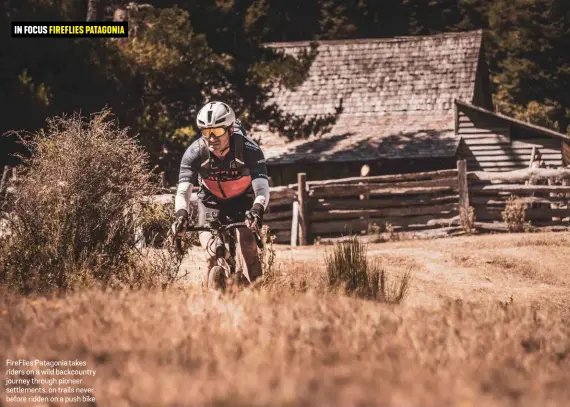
(218, 144)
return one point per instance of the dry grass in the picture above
(181, 347)
(293, 342)
(349, 269)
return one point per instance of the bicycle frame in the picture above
(219, 232)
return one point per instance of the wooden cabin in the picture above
(409, 104)
(397, 98)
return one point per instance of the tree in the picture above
(533, 69)
(92, 10)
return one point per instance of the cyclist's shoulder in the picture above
(251, 143)
(193, 150)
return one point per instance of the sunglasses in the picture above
(216, 131)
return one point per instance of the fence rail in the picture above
(545, 194)
(427, 202)
(400, 202)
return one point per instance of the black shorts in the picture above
(233, 209)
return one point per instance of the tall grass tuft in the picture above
(348, 267)
(77, 207)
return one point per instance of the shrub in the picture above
(75, 212)
(348, 267)
(383, 232)
(514, 215)
(156, 220)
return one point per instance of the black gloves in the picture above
(257, 212)
(181, 222)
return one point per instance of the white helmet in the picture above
(215, 114)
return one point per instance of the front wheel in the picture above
(215, 278)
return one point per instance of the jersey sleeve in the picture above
(254, 159)
(190, 164)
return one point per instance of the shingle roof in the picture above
(359, 137)
(394, 93)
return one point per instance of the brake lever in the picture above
(258, 239)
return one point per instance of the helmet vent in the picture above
(220, 120)
(209, 116)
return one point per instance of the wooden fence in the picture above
(402, 202)
(545, 193)
(418, 202)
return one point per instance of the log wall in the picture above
(490, 144)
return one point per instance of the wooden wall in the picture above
(492, 144)
(566, 153)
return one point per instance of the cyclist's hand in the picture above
(251, 221)
(254, 217)
(181, 223)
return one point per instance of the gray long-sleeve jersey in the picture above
(223, 180)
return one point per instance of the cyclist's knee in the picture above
(204, 238)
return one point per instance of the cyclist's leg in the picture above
(206, 237)
(248, 248)
(235, 209)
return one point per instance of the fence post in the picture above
(295, 224)
(463, 189)
(303, 213)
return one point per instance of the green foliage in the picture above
(528, 37)
(182, 53)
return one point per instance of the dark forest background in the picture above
(182, 53)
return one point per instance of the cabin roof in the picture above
(397, 97)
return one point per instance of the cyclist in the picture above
(230, 169)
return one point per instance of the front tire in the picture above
(215, 279)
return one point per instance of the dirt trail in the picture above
(527, 267)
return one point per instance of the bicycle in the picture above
(223, 234)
